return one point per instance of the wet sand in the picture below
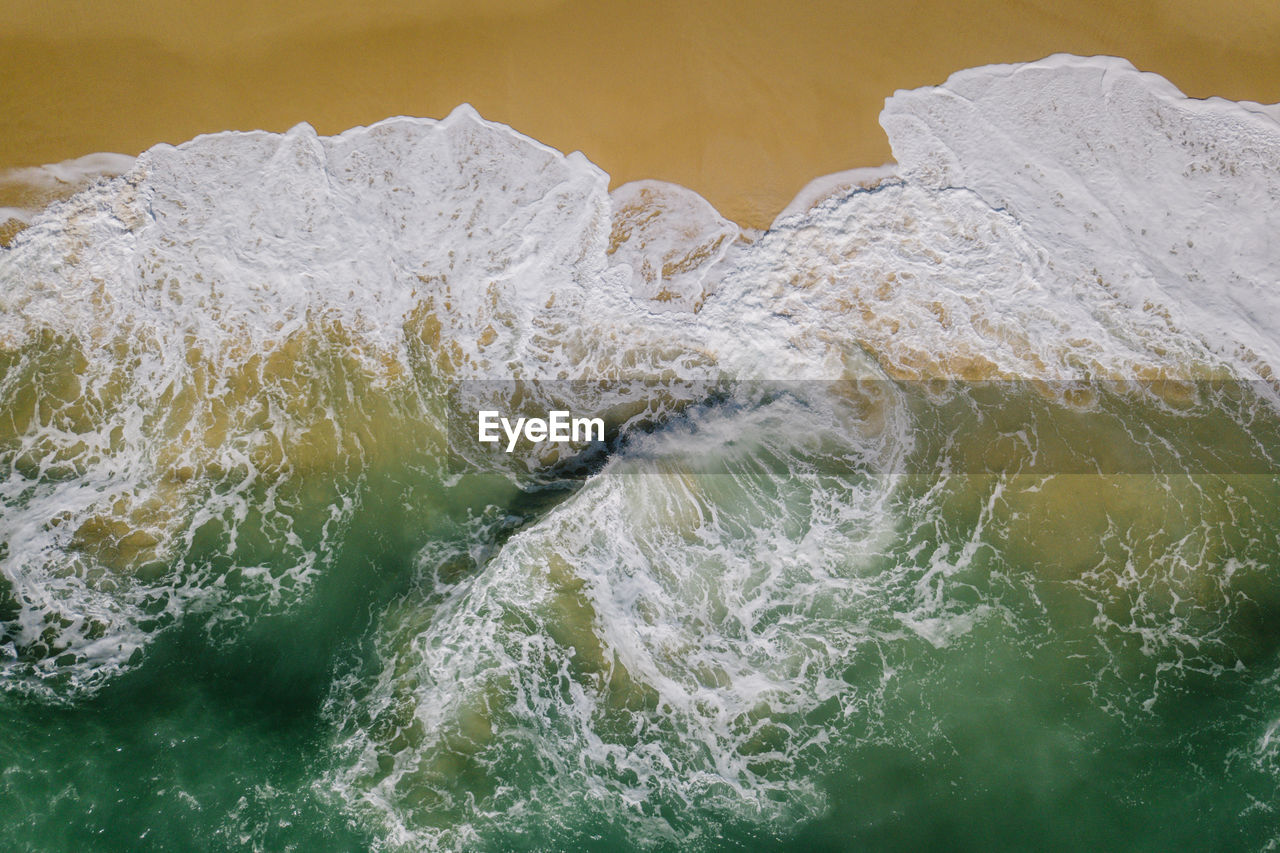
(744, 102)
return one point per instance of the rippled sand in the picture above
(744, 102)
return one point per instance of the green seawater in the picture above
(1030, 656)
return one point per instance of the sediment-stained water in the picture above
(941, 513)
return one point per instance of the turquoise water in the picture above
(1057, 703)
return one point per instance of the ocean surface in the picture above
(944, 513)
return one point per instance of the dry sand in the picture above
(744, 101)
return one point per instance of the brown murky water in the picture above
(744, 101)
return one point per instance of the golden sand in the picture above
(744, 102)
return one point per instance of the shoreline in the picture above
(743, 104)
(26, 191)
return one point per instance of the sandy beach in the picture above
(743, 102)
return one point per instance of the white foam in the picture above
(201, 296)
(1169, 203)
(670, 239)
(201, 293)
